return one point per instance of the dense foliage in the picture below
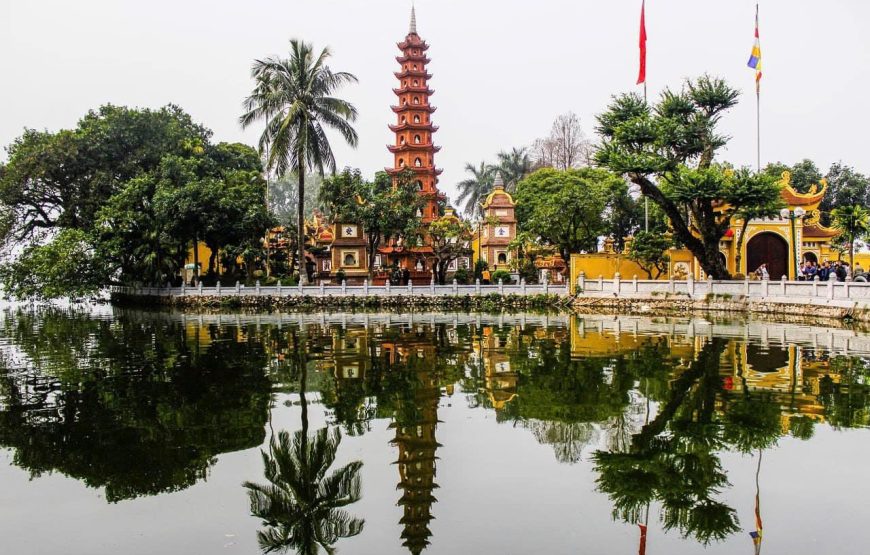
(121, 199)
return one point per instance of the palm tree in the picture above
(514, 166)
(302, 508)
(854, 223)
(293, 96)
(474, 189)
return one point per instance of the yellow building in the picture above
(782, 243)
(497, 229)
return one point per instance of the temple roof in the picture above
(812, 198)
(498, 194)
(817, 231)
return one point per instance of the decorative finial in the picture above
(413, 29)
(499, 182)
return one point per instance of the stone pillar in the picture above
(455, 286)
(546, 287)
(301, 290)
(431, 285)
(830, 289)
(782, 285)
(238, 288)
(278, 287)
(690, 285)
(634, 283)
(321, 288)
(199, 288)
(477, 286)
(616, 283)
(500, 287)
(257, 287)
(671, 284)
(343, 286)
(366, 287)
(815, 287)
(765, 287)
(523, 285)
(217, 288)
(601, 283)
(581, 281)
(745, 286)
(846, 290)
(183, 288)
(387, 285)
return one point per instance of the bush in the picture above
(479, 267)
(462, 276)
(502, 275)
(340, 276)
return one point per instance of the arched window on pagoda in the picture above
(401, 162)
(404, 120)
(416, 100)
(416, 119)
(415, 67)
(404, 102)
(416, 83)
(417, 139)
(401, 140)
(420, 186)
(418, 163)
(419, 213)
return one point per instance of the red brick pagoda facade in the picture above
(414, 149)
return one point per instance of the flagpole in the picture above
(757, 106)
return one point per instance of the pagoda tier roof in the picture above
(413, 41)
(406, 58)
(413, 73)
(813, 197)
(423, 147)
(424, 169)
(405, 250)
(412, 107)
(410, 125)
(413, 89)
(818, 231)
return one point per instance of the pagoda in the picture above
(413, 147)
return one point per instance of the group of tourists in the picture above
(826, 271)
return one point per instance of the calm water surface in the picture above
(144, 433)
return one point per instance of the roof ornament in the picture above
(499, 182)
(413, 29)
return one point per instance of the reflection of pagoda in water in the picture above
(415, 424)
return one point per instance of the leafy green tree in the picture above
(846, 187)
(473, 190)
(294, 96)
(565, 208)
(385, 209)
(853, 222)
(284, 197)
(650, 251)
(804, 174)
(624, 215)
(668, 150)
(449, 238)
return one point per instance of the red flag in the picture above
(641, 74)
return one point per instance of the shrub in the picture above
(340, 276)
(462, 276)
(502, 275)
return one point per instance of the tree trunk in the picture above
(740, 242)
(300, 229)
(195, 258)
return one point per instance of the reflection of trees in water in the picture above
(131, 405)
(568, 439)
(303, 508)
(845, 392)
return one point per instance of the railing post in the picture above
(523, 285)
(300, 289)
(815, 286)
(634, 283)
(387, 285)
(238, 288)
(782, 285)
(671, 284)
(278, 287)
(846, 289)
(582, 281)
(455, 287)
(830, 289)
(546, 287)
(257, 287)
(183, 288)
(500, 287)
(745, 286)
(366, 287)
(601, 283)
(199, 288)
(431, 285)
(322, 288)
(765, 287)
(477, 286)
(343, 287)
(690, 285)
(616, 283)
(217, 288)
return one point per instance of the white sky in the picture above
(503, 69)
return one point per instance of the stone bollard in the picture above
(581, 281)
(257, 287)
(238, 288)
(322, 288)
(477, 286)
(500, 287)
(616, 283)
(183, 288)
(366, 287)
(387, 285)
(745, 286)
(299, 287)
(815, 287)
(455, 287)
(634, 283)
(523, 285)
(199, 288)
(217, 288)
(830, 289)
(690, 285)
(343, 287)
(278, 287)
(782, 285)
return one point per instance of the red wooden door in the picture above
(770, 249)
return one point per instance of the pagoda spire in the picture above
(413, 29)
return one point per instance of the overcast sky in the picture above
(503, 70)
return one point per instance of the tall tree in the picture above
(473, 190)
(450, 239)
(384, 208)
(804, 174)
(854, 223)
(566, 146)
(294, 96)
(668, 150)
(846, 187)
(514, 166)
(757, 202)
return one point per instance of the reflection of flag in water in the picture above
(642, 549)
(756, 534)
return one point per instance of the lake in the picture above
(152, 432)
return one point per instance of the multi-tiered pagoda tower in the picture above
(413, 147)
